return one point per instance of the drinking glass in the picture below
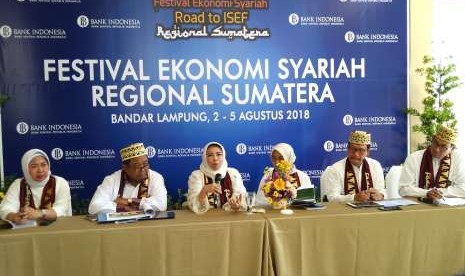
(250, 200)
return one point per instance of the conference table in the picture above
(337, 240)
(217, 243)
(340, 240)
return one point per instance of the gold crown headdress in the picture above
(132, 151)
(360, 137)
(446, 135)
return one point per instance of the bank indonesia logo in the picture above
(5, 31)
(83, 21)
(22, 128)
(349, 36)
(329, 146)
(348, 120)
(241, 148)
(151, 151)
(293, 19)
(57, 153)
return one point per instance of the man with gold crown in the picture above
(134, 187)
(436, 171)
(357, 177)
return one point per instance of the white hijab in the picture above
(26, 159)
(287, 152)
(204, 165)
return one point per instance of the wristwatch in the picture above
(43, 212)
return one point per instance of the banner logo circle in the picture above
(57, 153)
(349, 36)
(151, 151)
(22, 128)
(328, 146)
(5, 31)
(293, 19)
(241, 148)
(82, 21)
(348, 120)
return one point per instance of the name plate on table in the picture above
(133, 216)
(8, 224)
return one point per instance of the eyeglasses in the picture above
(441, 147)
(359, 150)
(140, 166)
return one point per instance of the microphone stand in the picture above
(217, 195)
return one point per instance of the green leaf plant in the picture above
(440, 79)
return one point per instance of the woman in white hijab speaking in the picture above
(215, 185)
(38, 195)
(282, 152)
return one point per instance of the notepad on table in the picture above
(363, 204)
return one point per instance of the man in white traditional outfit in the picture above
(436, 171)
(134, 187)
(356, 177)
(37, 195)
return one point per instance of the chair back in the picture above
(392, 182)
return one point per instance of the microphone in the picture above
(429, 200)
(217, 196)
(147, 208)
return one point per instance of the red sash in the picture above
(350, 180)
(226, 187)
(143, 191)
(47, 199)
(425, 179)
(296, 179)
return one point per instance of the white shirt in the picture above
(196, 182)
(261, 200)
(107, 192)
(408, 182)
(333, 182)
(62, 204)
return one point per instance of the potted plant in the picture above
(437, 110)
(6, 184)
(3, 99)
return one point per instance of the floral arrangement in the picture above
(6, 183)
(279, 185)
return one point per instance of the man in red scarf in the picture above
(436, 171)
(356, 177)
(134, 187)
